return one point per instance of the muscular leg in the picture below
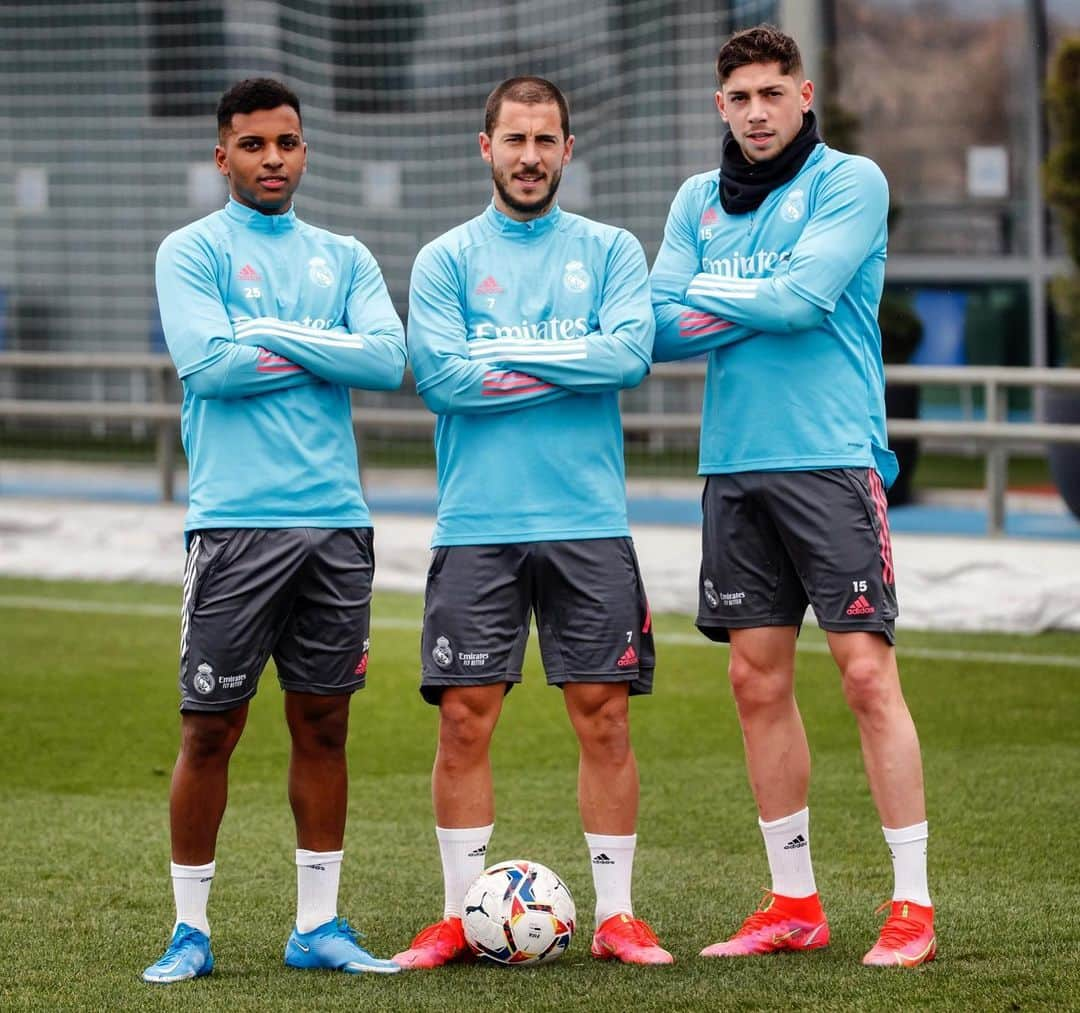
(607, 792)
(200, 782)
(318, 793)
(318, 768)
(890, 745)
(608, 800)
(197, 798)
(464, 801)
(607, 770)
(461, 783)
(762, 673)
(463, 793)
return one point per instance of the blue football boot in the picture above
(188, 956)
(333, 945)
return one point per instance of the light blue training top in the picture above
(521, 335)
(270, 321)
(784, 300)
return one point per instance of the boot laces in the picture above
(899, 930)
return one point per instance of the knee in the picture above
(869, 687)
(604, 728)
(330, 733)
(210, 738)
(318, 724)
(463, 730)
(755, 686)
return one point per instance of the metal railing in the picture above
(993, 435)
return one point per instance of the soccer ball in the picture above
(518, 912)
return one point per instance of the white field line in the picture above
(679, 639)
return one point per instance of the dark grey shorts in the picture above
(299, 595)
(588, 598)
(774, 541)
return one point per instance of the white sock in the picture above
(612, 869)
(464, 856)
(787, 843)
(907, 845)
(317, 876)
(191, 891)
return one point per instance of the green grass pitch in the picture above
(88, 734)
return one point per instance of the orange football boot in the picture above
(780, 923)
(438, 944)
(907, 938)
(623, 937)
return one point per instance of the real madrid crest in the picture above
(319, 272)
(710, 594)
(574, 276)
(442, 653)
(794, 206)
(204, 679)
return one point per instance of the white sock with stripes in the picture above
(317, 876)
(191, 891)
(787, 844)
(612, 860)
(463, 851)
(907, 845)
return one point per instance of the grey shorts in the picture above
(299, 595)
(774, 541)
(588, 598)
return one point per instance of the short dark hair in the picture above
(529, 90)
(251, 95)
(761, 44)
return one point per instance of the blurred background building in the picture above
(108, 121)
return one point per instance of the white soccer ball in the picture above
(518, 912)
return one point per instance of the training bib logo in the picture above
(574, 276)
(320, 273)
(794, 207)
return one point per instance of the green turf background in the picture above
(88, 728)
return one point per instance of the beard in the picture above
(527, 207)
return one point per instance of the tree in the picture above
(1061, 179)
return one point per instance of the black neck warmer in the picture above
(745, 184)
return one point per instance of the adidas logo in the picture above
(710, 217)
(629, 658)
(860, 607)
(248, 273)
(603, 859)
(798, 841)
(489, 286)
(478, 852)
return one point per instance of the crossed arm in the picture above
(219, 358)
(697, 311)
(456, 376)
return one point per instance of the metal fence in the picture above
(153, 401)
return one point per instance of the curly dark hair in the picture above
(251, 95)
(761, 44)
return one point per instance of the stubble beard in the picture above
(527, 207)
